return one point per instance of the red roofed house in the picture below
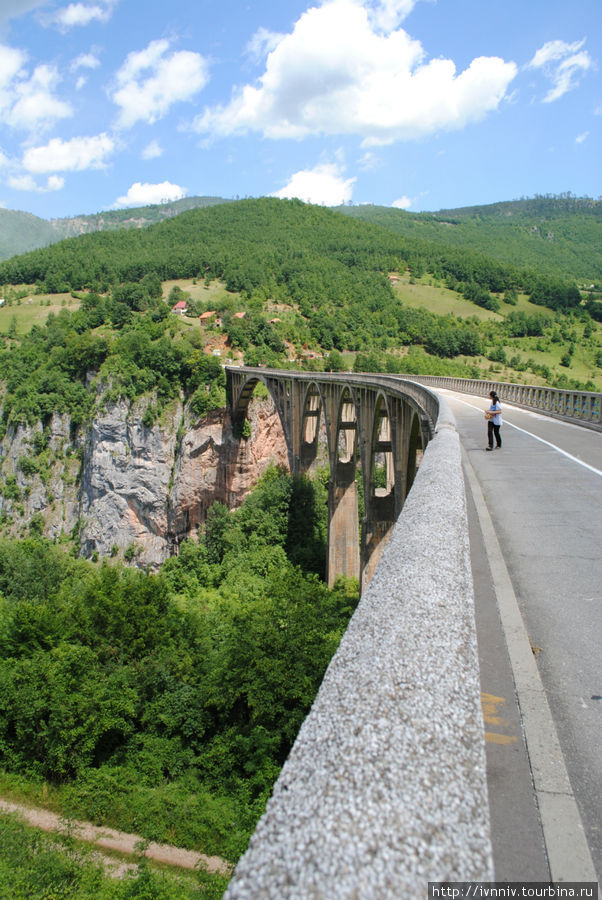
(207, 317)
(180, 307)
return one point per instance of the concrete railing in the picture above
(582, 407)
(385, 787)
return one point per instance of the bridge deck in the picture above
(543, 494)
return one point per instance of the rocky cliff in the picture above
(120, 488)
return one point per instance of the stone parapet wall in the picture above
(385, 788)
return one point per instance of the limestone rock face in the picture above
(39, 469)
(212, 465)
(123, 488)
(125, 483)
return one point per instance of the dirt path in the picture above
(120, 841)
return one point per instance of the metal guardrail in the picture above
(580, 407)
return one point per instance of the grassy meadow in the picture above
(24, 308)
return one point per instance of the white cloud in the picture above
(552, 51)
(388, 14)
(85, 61)
(33, 103)
(55, 183)
(322, 185)
(369, 161)
(22, 183)
(150, 81)
(581, 138)
(11, 65)
(152, 150)
(28, 101)
(562, 64)
(262, 43)
(335, 74)
(11, 62)
(10, 9)
(402, 203)
(28, 183)
(77, 15)
(75, 155)
(145, 194)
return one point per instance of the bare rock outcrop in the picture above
(212, 465)
(39, 469)
(125, 483)
(122, 488)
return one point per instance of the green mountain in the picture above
(20, 231)
(137, 217)
(306, 254)
(557, 235)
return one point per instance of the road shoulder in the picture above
(530, 794)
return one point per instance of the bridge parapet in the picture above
(385, 788)
(580, 407)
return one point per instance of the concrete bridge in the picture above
(399, 776)
(382, 423)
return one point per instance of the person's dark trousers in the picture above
(491, 431)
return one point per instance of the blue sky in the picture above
(419, 104)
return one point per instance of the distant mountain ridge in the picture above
(21, 232)
(544, 205)
(136, 217)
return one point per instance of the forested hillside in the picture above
(556, 235)
(269, 246)
(131, 217)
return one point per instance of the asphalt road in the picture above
(543, 493)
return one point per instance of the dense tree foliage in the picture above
(20, 231)
(132, 690)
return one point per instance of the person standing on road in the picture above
(494, 422)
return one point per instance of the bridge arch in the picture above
(381, 476)
(416, 445)
(280, 391)
(311, 420)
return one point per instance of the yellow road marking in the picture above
(491, 706)
(492, 738)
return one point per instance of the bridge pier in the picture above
(343, 525)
